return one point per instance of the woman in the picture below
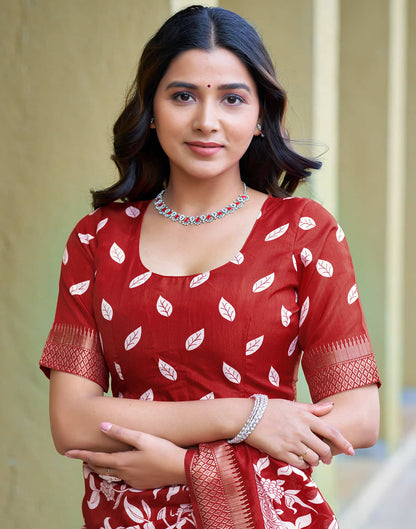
(193, 313)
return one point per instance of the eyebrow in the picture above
(190, 86)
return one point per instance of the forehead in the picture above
(216, 66)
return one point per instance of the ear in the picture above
(258, 129)
(152, 124)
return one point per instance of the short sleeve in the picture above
(337, 353)
(73, 343)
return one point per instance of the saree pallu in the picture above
(237, 487)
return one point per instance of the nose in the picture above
(206, 119)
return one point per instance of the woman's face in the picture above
(206, 111)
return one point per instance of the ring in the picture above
(109, 479)
(302, 456)
(107, 471)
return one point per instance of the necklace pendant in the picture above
(163, 210)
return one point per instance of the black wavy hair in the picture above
(270, 164)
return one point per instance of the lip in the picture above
(204, 148)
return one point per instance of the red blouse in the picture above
(289, 295)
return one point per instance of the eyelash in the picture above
(178, 95)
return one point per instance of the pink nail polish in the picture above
(106, 426)
(351, 451)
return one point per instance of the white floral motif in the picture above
(132, 212)
(147, 395)
(285, 315)
(253, 345)
(85, 237)
(195, 340)
(306, 223)
(278, 232)
(306, 257)
(292, 346)
(227, 311)
(139, 280)
(118, 369)
(79, 288)
(133, 339)
(238, 259)
(231, 374)
(325, 268)
(164, 307)
(263, 283)
(208, 396)
(304, 311)
(274, 377)
(117, 254)
(101, 224)
(106, 310)
(167, 370)
(199, 280)
(353, 294)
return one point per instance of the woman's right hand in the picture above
(293, 431)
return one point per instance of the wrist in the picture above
(235, 414)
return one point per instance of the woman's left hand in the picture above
(152, 462)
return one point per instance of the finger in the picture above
(333, 435)
(319, 409)
(100, 460)
(319, 448)
(126, 435)
(308, 455)
(296, 461)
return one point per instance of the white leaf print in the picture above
(261, 464)
(146, 509)
(139, 280)
(259, 215)
(263, 283)
(238, 259)
(340, 234)
(117, 253)
(274, 377)
(120, 395)
(285, 314)
(133, 512)
(101, 224)
(292, 346)
(107, 523)
(162, 513)
(92, 484)
(253, 345)
(318, 499)
(133, 339)
(288, 470)
(106, 310)
(118, 369)
(79, 288)
(195, 340)
(65, 257)
(334, 524)
(85, 237)
(167, 371)
(306, 223)
(147, 395)
(199, 279)
(304, 311)
(94, 500)
(208, 396)
(132, 212)
(149, 525)
(164, 307)
(295, 264)
(231, 374)
(227, 311)
(352, 294)
(303, 521)
(325, 268)
(173, 489)
(278, 232)
(306, 256)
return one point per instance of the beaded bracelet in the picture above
(260, 405)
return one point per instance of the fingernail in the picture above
(351, 451)
(326, 403)
(67, 454)
(106, 426)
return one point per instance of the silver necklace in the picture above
(186, 220)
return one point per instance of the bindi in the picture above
(208, 85)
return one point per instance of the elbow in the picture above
(369, 431)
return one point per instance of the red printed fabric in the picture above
(242, 328)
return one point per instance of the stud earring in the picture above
(152, 120)
(260, 129)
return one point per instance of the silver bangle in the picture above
(260, 405)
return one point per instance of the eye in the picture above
(183, 97)
(234, 99)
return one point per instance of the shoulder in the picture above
(300, 210)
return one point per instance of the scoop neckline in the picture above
(212, 270)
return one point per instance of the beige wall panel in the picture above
(286, 28)
(65, 70)
(362, 151)
(410, 263)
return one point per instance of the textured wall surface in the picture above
(65, 70)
